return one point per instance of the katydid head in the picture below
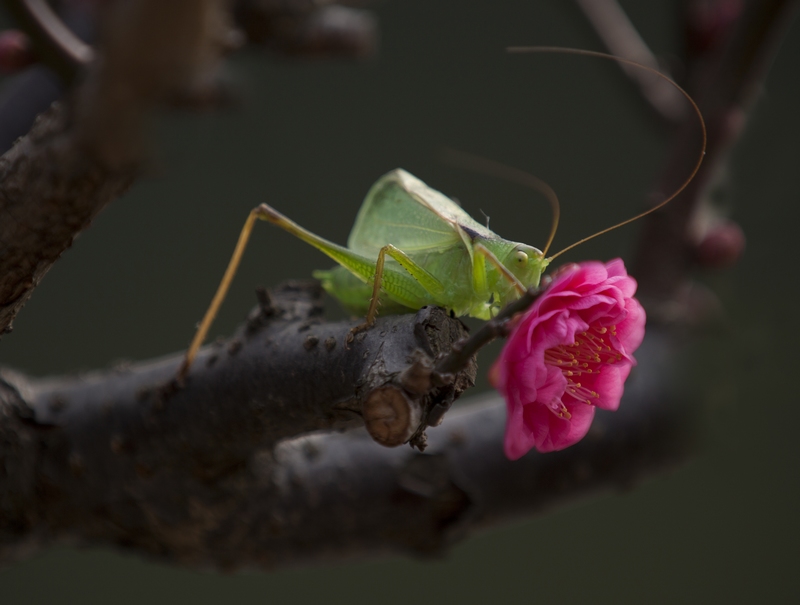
(526, 263)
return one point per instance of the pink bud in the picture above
(722, 246)
(710, 21)
(16, 51)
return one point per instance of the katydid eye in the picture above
(521, 257)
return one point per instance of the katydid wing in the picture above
(439, 237)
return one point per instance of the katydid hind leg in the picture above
(360, 266)
(222, 291)
(266, 213)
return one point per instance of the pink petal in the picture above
(553, 387)
(552, 433)
(616, 268)
(610, 384)
(587, 274)
(593, 300)
(631, 331)
(519, 438)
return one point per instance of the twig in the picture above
(460, 354)
(55, 43)
(621, 39)
(463, 352)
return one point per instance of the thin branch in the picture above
(460, 354)
(621, 39)
(725, 89)
(55, 43)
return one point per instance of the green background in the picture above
(310, 138)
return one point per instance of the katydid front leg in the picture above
(479, 276)
(482, 256)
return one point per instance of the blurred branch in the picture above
(55, 42)
(725, 86)
(731, 45)
(31, 91)
(621, 39)
(88, 150)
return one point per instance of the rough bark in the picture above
(50, 190)
(86, 152)
(214, 475)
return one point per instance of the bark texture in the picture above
(227, 473)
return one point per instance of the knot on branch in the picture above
(401, 387)
(391, 416)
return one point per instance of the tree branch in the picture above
(308, 27)
(198, 476)
(724, 87)
(81, 155)
(55, 43)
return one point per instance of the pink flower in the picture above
(569, 353)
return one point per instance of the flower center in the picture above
(591, 351)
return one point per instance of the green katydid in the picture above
(437, 254)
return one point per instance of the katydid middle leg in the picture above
(431, 286)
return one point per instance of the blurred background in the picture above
(310, 138)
